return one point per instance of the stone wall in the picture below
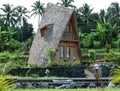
(53, 71)
(103, 71)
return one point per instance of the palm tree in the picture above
(21, 18)
(38, 9)
(21, 15)
(9, 14)
(114, 13)
(102, 15)
(85, 13)
(67, 3)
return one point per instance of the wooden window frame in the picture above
(68, 29)
(62, 51)
(43, 32)
(68, 52)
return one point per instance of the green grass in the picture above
(80, 89)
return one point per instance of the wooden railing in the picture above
(69, 37)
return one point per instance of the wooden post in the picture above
(98, 80)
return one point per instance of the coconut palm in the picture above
(85, 13)
(38, 9)
(9, 14)
(21, 15)
(67, 3)
(114, 13)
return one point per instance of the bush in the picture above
(116, 44)
(14, 45)
(51, 54)
(76, 63)
(107, 48)
(16, 58)
(113, 56)
(92, 55)
(97, 45)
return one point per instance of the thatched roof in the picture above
(59, 17)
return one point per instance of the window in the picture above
(46, 30)
(67, 52)
(68, 29)
(62, 52)
(43, 32)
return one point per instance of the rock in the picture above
(18, 85)
(44, 85)
(111, 84)
(92, 85)
(30, 86)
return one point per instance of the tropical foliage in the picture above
(116, 77)
(67, 3)
(8, 14)
(5, 84)
(113, 56)
(105, 32)
(38, 10)
(51, 54)
(96, 30)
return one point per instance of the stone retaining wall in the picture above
(53, 71)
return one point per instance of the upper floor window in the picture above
(43, 32)
(46, 30)
(68, 29)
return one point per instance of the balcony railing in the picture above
(69, 37)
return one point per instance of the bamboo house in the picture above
(58, 30)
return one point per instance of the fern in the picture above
(5, 84)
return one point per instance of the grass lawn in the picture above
(80, 89)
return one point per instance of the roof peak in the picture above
(56, 5)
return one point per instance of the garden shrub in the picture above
(16, 58)
(76, 63)
(14, 45)
(113, 56)
(92, 55)
(51, 54)
(97, 45)
(107, 48)
(114, 44)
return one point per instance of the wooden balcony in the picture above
(69, 37)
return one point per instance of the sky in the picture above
(97, 5)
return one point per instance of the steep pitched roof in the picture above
(59, 17)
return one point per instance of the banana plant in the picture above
(105, 32)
